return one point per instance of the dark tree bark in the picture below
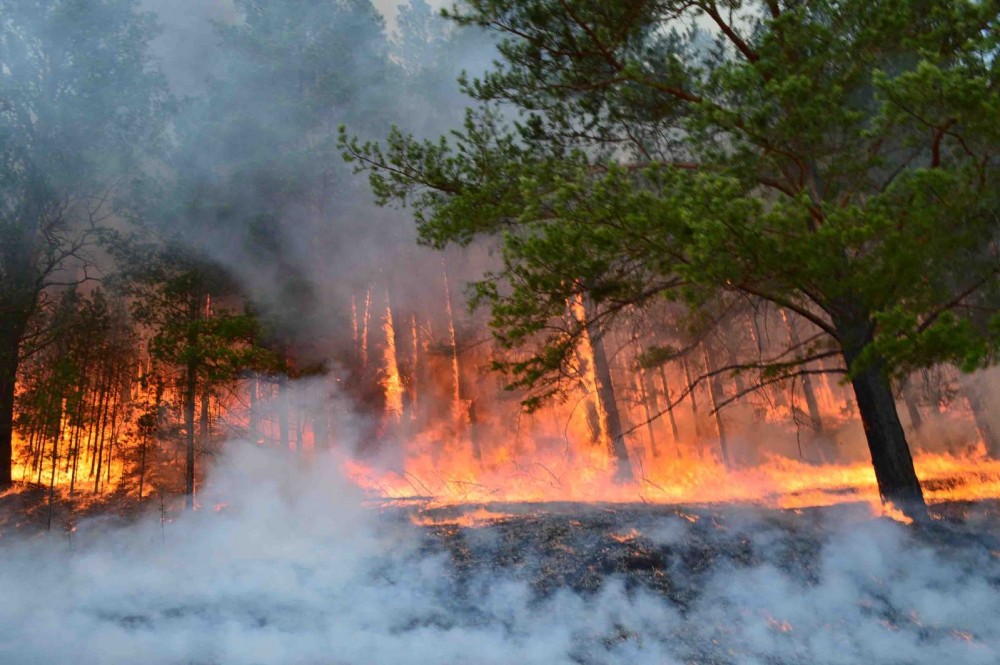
(13, 323)
(891, 459)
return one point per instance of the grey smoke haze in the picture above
(324, 247)
(294, 569)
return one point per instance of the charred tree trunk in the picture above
(16, 311)
(8, 376)
(891, 459)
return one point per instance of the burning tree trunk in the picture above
(355, 333)
(363, 348)
(392, 384)
(597, 372)
(415, 367)
(460, 409)
(607, 403)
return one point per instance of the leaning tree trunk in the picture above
(891, 459)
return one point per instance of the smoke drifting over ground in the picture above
(293, 567)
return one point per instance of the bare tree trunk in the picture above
(815, 418)
(460, 408)
(648, 410)
(670, 409)
(698, 431)
(715, 394)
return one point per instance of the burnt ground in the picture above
(670, 550)
(605, 584)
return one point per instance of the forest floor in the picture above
(668, 549)
(25, 509)
(552, 583)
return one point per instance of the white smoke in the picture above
(285, 564)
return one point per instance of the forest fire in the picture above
(445, 433)
(549, 332)
(778, 482)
